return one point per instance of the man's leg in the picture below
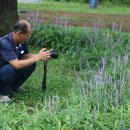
(21, 76)
(7, 73)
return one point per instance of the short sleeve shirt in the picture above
(9, 51)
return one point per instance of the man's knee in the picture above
(33, 66)
(7, 72)
(30, 68)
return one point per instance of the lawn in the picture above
(105, 8)
(77, 14)
(87, 86)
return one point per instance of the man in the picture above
(16, 62)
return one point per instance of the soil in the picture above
(121, 22)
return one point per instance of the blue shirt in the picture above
(9, 51)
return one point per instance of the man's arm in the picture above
(32, 58)
(29, 55)
(18, 64)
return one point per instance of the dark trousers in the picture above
(10, 78)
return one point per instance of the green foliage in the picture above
(81, 1)
(77, 97)
(70, 116)
(61, 38)
(103, 8)
(81, 43)
(126, 2)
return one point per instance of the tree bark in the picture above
(8, 15)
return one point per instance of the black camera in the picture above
(54, 54)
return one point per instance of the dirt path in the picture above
(81, 19)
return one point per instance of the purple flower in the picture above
(53, 102)
(115, 83)
(122, 80)
(91, 88)
(94, 33)
(120, 27)
(94, 114)
(110, 79)
(49, 104)
(119, 59)
(117, 99)
(125, 60)
(81, 101)
(123, 125)
(113, 26)
(57, 103)
(115, 67)
(104, 62)
(98, 106)
(129, 90)
(111, 98)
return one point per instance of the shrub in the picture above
(81, 1)
(86, 45)
(127, 2)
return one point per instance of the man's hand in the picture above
(43, 54)
(31, 58)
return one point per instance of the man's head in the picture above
(22, 31)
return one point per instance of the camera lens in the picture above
(54, 54)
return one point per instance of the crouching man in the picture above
(16, 62)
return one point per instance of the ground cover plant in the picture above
(105, 8)
(77, 14)
(127, 2)
(88, 85)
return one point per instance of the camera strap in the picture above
(44, 77)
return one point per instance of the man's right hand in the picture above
(43, 54)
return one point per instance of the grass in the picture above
(77, 110)
(94, 108)
(59, 80)
(105, 8)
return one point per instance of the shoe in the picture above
(22, 90)
(19, 90)
(4, 98)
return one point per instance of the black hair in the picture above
(20, 27)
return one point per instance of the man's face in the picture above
(24, 37)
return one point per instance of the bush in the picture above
(81, 1)
(58, 37)
(126, 2)
(89, 45)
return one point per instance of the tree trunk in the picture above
(8, 15)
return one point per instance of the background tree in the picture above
(8, 15)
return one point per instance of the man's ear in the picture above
(19, 32)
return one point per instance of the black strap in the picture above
(44, 77)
